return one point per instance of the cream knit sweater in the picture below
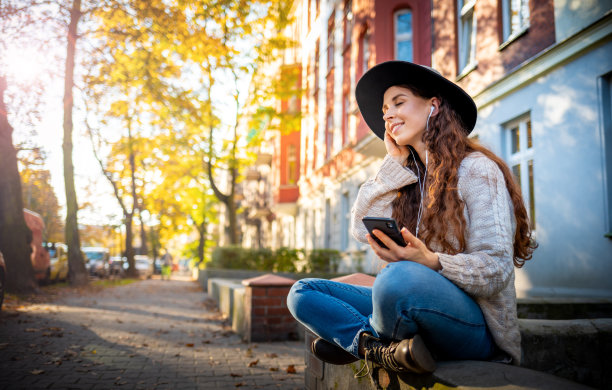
(485, 271)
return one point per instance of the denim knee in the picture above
(294, 295)
(402, 279)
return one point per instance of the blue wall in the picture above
(574, 257)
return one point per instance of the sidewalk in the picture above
(150, 334)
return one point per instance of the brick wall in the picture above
(267, 315)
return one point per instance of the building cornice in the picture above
(598, 32)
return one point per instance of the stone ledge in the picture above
(574, 349)
(460, 375)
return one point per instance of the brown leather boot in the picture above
(331, 353)
(406, 355)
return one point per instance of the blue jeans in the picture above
(407, 298)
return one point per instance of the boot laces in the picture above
(385, 357)
(382, 355)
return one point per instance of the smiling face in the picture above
(405, 116)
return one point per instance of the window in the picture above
(330, 42)
(605, 88)
(365, 47)
(291, 165)
(347, 23)
(317, 135)
(316, 66)
(403, 35)
(466, 35)
(345, 222)
(329, 135)
(346, 67)
(346, 117)
(519, 149)
(328, 224)
(515, 18)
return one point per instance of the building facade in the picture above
(540, 73)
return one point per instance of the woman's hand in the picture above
(415, 251)
(398, 152)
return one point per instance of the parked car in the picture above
(58, 253)
(144, 266)
(157, 266)
(96, 260)
(40, 258)
(2, 279)
(116, 265)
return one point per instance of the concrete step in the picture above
(554, 308)
(573, 349)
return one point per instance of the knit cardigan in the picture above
(485, 270)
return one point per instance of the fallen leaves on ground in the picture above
(291, 369)
(37, 372)
(253, 363)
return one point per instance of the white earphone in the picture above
(422, 184)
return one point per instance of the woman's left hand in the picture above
(415, 250)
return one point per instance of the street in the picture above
(150, 334)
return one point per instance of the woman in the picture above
(449, 293)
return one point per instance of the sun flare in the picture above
(23, 65)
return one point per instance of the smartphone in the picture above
(385, 225)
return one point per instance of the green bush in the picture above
(236, 257)
(280, 260)
(287, 259)
(323, 260)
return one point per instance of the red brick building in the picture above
(539, 72)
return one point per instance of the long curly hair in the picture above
(442, 220)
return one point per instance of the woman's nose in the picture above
(388, 115)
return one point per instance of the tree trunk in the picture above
(228, 200)
(129, 248)
(15, 237)
(154, 241)
(202, 242)
(143, 237)
(232, 217)
(77, 273)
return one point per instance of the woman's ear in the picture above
(435, 105)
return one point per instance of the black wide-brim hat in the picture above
(371, 88)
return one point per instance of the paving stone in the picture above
(150, 334)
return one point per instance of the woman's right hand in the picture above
(399, 152)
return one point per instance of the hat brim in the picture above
(371, 88)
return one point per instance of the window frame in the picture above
(508, 33)
(466, 62)
(524, 157)
(605, 104)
